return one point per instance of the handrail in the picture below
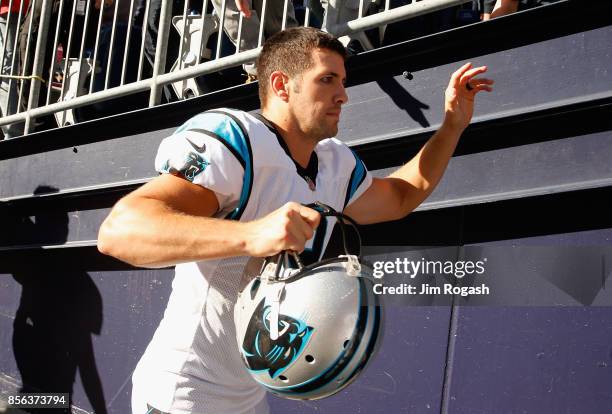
(159, 78)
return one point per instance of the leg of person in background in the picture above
(8, 88)
(339, 11)
(152, 22)
(342, 11)
(274, 15)
(504, 7)
(250, 26)
(317, 12)
(485, 7)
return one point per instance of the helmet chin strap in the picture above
(353, 267)
(275, 309)
(272, 275)
(343, 219)
(302, 339)
(276, 277)
(297, 259)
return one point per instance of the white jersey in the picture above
(193, 364)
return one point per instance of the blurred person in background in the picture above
(117, 13)
(251, 11)
(504, 7)
(486, 7)
(9, 22)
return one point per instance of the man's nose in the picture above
(341, 96)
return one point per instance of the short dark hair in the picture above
(290, 51)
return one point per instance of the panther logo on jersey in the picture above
(261, 353)
(190, 167)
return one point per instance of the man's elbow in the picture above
(112, 241)
(105, 239)
(409, 195)
(108, 240)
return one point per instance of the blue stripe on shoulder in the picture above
(357, 177)
(227, 127)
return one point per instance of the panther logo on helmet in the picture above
(308, 332)
(262, 353)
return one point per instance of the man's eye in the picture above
(326, 79)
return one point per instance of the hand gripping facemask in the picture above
(306, 332)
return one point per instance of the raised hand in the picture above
(460, 94)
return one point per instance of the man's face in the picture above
(316, 98)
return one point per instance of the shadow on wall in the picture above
(404, 100)
(58, 313)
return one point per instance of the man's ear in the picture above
(279, 83)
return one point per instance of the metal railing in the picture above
(113, 61)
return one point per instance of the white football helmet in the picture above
(306, 332)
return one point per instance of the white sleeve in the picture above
(203, 160)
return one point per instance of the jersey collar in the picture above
(309, 174)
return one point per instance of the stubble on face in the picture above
(312, 120)
(311, 111)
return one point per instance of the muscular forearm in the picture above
(395, 196)
(425, 170)
(400, 193)
(147, 233)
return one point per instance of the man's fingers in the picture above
(301, 228)
(477, 85)
(484, 81)
(306, 229)
(480, 81)
(482, 88)
(312, 217)
(297, 238)
(456, 76)
(469, 74)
